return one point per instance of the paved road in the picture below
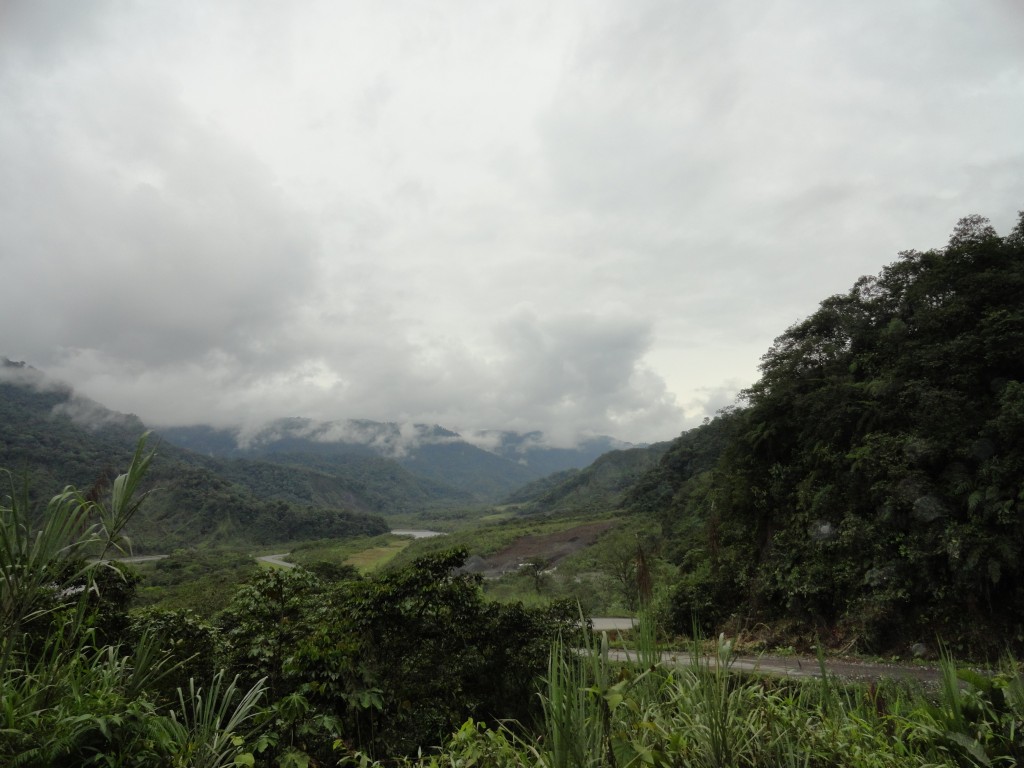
(782, 666)
(602, 624)
(277, 560)
(787, 666)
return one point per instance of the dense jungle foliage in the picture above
(303, 670)
(871, 487)
(385, 665)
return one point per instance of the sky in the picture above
(581, 217)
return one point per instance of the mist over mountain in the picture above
(52, 438)
(486, 464)
(368, 467)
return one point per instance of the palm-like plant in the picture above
(210, 730)
(68, 699)
(34, 577)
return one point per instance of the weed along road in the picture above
(786, 666)
(778, 666)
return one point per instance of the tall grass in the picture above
(42, 566)
(601, 714)
(575, 713)
(714, 706)
(210, 729)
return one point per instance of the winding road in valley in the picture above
(779, 666)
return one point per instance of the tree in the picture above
(869, 489)
(395, 661)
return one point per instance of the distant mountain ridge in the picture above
(50, 438)
(294, 478)
(507, 461)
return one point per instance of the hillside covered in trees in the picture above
(592, 489)
(870, 486)
(52, 438)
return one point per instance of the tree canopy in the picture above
(871, 485)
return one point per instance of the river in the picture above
(416, 534)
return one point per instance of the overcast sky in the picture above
(580, 217)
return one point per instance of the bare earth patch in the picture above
(552, 548)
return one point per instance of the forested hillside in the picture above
(599, 487)
(871, 485)
(51, 438)
(57, 439)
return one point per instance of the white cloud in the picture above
(586, 218)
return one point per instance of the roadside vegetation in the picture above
(409, 666)
(294, 668)
(869, 489)
(602, 714)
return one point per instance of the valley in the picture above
(862, 499)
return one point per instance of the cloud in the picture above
(583, 218)
(81, 410)
(91, 415)
(568, 375)
(149, 238)
(23, 375)
(568, 365)
(386, 438)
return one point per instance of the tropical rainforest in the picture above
(865, 494)
(871, 484)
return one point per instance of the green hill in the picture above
(871, 489)
(600, 487)
(51, 438)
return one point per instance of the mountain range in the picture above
(487, 466)
(292, 479)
